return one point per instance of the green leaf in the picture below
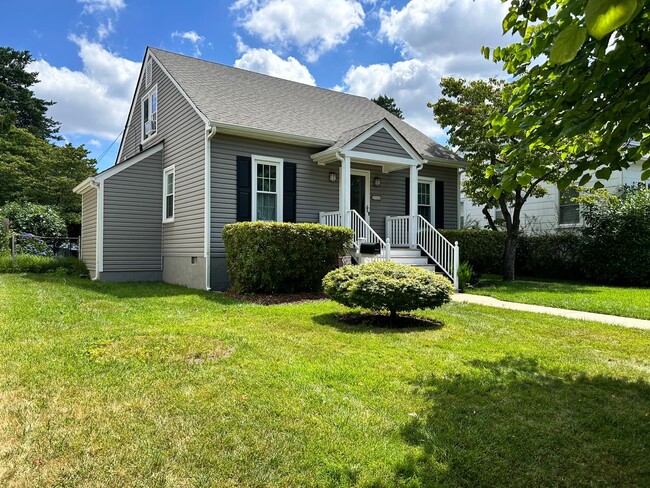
(605, 16)
(598, 185)
(604, 173)
(646, 79)
(567, 44)
(498, 120)
(585, 179)
(646, 174)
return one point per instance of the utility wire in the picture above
(109, 147)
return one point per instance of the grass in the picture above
(156, 385)
(612, 300)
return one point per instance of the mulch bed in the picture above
(404, 321)
(276, 299)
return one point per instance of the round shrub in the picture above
(276, 257)
(385, 286)
(40, 220)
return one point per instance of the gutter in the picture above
(210, 131)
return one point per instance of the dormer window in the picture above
(150, 114)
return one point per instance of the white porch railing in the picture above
(362, 232)
(442, 252)
(330, 218)
(397, 230)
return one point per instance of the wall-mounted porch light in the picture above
(333, 177)
(377, 182)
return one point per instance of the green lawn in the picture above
(157, 385)
(613, 300)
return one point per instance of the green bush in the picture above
(40, 220)
(27, 263)
(387, 286)
(482, 249)
(274, 257)
(616, 240)
(465, 274)
(554, 255)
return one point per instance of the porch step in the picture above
(404, 252)
(412, 260)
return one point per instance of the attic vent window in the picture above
(147, 74)
(150, 114)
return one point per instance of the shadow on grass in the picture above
(512, 423)
(140, 289)
(536, 286)
(367, 323)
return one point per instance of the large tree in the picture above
(389, 104)
(34, 170)
(581, 67)
(18, 104)
(464, 110)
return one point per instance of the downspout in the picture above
(210, 131)
(99, 228)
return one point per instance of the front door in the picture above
(359, 189)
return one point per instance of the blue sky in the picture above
(88, 51)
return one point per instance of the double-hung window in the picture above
(150, 114)
(569, 208)
(267, 188)
(425, 198)
(169, 193)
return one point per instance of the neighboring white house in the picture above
(555, 210)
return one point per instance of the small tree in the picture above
(387, 286)
(31, 218)
(464, 110)
(388, 103)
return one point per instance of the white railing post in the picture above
(387, 251)
(413, 206)
(389, 228)
(456, 264)
(321, 217)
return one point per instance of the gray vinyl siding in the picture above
(133, 217)
(183, 131)
(314, 192)
(89, 231)
(450, 178)
(381, 142)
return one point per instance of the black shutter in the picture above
(440, 205)
(289, 197)
(407, 191)
(244, 189)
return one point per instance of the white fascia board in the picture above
(373, 158)
(178, 87)
(113, 170)
(268, 135)
(449, 163)
(84, 186)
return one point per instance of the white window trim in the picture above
(148, 67)
(432, 191)
(171, 169)
(568, 225)
(147, 96)
(279, 163)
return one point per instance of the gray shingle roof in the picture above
(244, 98)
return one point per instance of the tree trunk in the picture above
(509, 256)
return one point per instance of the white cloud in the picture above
(432, 28)
(91, 6)
(104, 29)
(195, 39)
(266, 61)
(94, 101)
(315, 26)
(94, 142)
(411, 83)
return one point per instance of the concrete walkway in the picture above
(571, 314)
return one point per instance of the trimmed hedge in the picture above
(547, 256)
(275, 257)
(27, 263)
(482, 249)
(387, 286)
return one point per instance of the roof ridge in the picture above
(259, 74)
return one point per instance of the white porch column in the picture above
(413, 207)
(344, 192)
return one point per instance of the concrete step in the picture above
(413, 260)
(405, 252)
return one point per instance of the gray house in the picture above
(207, 144)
